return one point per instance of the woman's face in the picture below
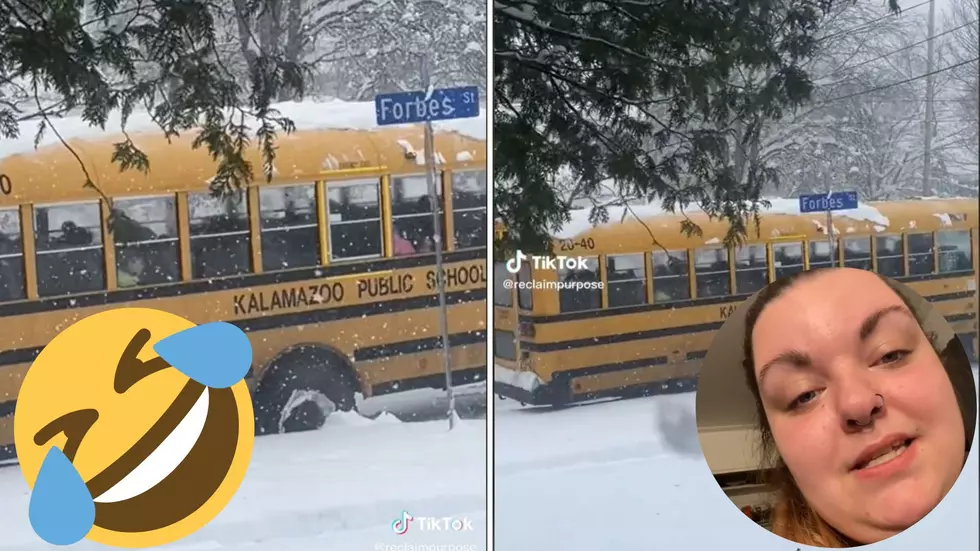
(846, 374)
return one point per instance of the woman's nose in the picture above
(859, 404)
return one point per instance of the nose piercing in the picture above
(877, 408)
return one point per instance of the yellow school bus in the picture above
(329, 268)
(664, 294)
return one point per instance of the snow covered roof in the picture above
(579, 222)
(307, 115)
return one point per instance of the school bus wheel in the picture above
(301, 388)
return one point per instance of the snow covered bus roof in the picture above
(629, 228)
(332, 140)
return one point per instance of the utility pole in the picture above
(430, 173)
(930, 103)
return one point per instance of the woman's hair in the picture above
(792, 516)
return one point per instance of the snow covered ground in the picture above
(622, 475)
(340, 488)
(614, 475)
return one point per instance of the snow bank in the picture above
(579, 222)
(307, 115)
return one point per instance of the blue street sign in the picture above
(822, 202)
(413, 107)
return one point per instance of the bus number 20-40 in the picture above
(569, 245)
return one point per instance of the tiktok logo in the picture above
(514, 264)
(400, 524)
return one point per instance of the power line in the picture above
(899, 83)
(910, 46)
(857, 28)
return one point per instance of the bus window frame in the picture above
(391, 181)
(735, 269)
(797, 240)
(247, 195)
(909, 254)
(113, 251)
(811, 244)
(22, 254)
(509, 293)
(607, 283)
(384, 217)
(599, 275)
(103, 247)
(869, 239)
(262, 231)
(450, 203)
(686, 277)
(971, 248)
(728, 272)
(878, 257)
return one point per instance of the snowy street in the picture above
(629, 474)
(615, 475)
(339, 488)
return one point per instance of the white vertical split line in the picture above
(489, 268)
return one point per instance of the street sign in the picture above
(414, 107)
(829, 202)
(432, 105)
(826, 202)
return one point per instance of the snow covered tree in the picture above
(60, 56)
(871, 107)
(376, 47)
(611, 90)
(962, 50)
(359, 48)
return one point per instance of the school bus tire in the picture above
(306, 368)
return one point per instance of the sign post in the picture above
(830, 201)
(426, 106)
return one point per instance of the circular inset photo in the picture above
(837, 407)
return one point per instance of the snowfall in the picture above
(616, 475)
(609, 475)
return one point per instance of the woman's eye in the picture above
(894, 356)
(802, 399)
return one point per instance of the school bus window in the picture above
(857, 252)
(354, 217)
(412, 229)
(525, 297)
(820, 255)
(626, 279)
(889, 254)
(711, 272)
(502, 296)
(588, 295)
(289, 232)
(920, 254)
(220, 244)
(670, 276)
(470, 208)
(504, 345)
(11, 256)
(787, 259)
(751, 269)
(68, 241)
(955, 253)
(144, 231)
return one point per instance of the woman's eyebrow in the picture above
(870, 323)
(795, 358)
